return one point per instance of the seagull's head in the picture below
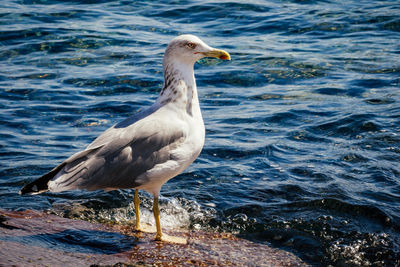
(188, 49)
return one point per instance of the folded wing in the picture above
(116, 158)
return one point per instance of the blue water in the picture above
(303, 125)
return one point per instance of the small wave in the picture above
(351, 125)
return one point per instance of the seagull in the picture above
(148, 148)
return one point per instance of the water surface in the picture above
(302, 148)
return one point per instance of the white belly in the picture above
(182, 157)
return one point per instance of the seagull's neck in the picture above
(180, 88)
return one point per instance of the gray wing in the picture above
(118, 156)
(109, 134)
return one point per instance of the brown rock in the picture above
(33, 238)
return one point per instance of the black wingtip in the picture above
(33, 188)
(41, 185)
(24, 190)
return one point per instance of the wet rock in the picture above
(33, 238)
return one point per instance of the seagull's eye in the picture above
(191, 45)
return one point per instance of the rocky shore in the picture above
(34, 238)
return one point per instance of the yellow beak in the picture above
(221, 54)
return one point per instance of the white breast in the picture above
(182, 156)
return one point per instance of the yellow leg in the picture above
(156, 213)
(136, 201)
